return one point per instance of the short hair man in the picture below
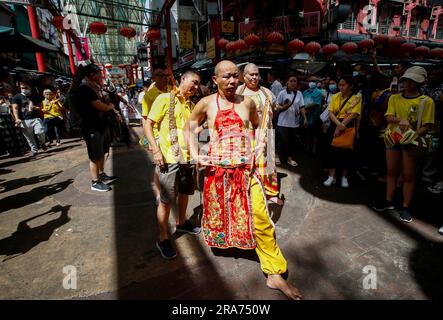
(169, 113)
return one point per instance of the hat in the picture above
(417, 74)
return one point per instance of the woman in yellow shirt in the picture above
(402, 115)
(344, 110)
(52, 116)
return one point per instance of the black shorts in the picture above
(97, 143)
(175, 179)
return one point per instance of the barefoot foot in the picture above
(276, 281)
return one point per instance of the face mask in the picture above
(26, 92)
(332, 87)
(355, 73)
(312, 85)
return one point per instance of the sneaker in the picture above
(99, 186)
(58, 143)
(105, 178)
(188, 227)
(405, 215)
(344, 182)
(329, 182)
(383, 206)
(166, 249)
(33, 154)
(292, 163)
(437, 188)
(44, 147)
(440, 231)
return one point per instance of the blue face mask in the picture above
(355, 73)
(332, 87)
(312, 85)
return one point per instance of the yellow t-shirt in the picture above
(407, 108)
(337, 101)
(52, 109)
(148, 100)
(159, 113)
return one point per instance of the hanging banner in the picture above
(185, 35)
(83, 54)
(210, 49)
(227, 27)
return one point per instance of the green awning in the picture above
(13, 41)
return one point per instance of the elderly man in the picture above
(234, 207)
(264, 138)
(169, 114)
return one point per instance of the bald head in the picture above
(224, 65)
(250, 68)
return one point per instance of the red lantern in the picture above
(134, 65)
(296, 45)
(252, 40)
(275, 38)
(380, 40)
(97, 28)
(57, 21)
(153, 34)
(330, 48)
(395, 41)
(349, 47)
(241, 45)
(122, 65)
(222, 43)
(231, 46)
(312, 48)
(407, 48)
(422, 51)
(437, 52)
(366, 44)
(128, 32)
(108, 66)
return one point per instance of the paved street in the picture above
(50, 219)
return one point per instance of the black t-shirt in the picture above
(92, 119)
(24, 103)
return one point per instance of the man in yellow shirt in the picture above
(169, 113)
(52, 116)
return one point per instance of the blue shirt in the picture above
(313, 96)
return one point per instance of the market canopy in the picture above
(13, 41)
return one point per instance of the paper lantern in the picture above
(395, 41)
(241, 45)
(312, 48)
(380, 40)
(97, 28)
(366, 44)
(422, 51)
(296, 45)
(349, 47)
(153, 34)
(275, 38)
(407, 48)
(437, 53)
(128, 32)
(222, 43)
(230, 46)
(330, 48)
(252, 40)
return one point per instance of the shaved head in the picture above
(223, 65)
(250, 67)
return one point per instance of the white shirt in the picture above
(290, 118)
(276, 87)
(140, 96)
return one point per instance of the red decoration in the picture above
(312, 48)
(231, 46)
(252, 40)
(222, 43)
(241, 45)
(366, 44)
(349, 47)
(134, 65)
(407, 48)
(395, 41)
(296, 45)
(108, 66)
(330, 48)
(153, 34)
(97, 28)
(57, 21)
(380, 40)
(437, 52)
(122, 65)
(422, 51)
(128, 32)
(275, 38)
